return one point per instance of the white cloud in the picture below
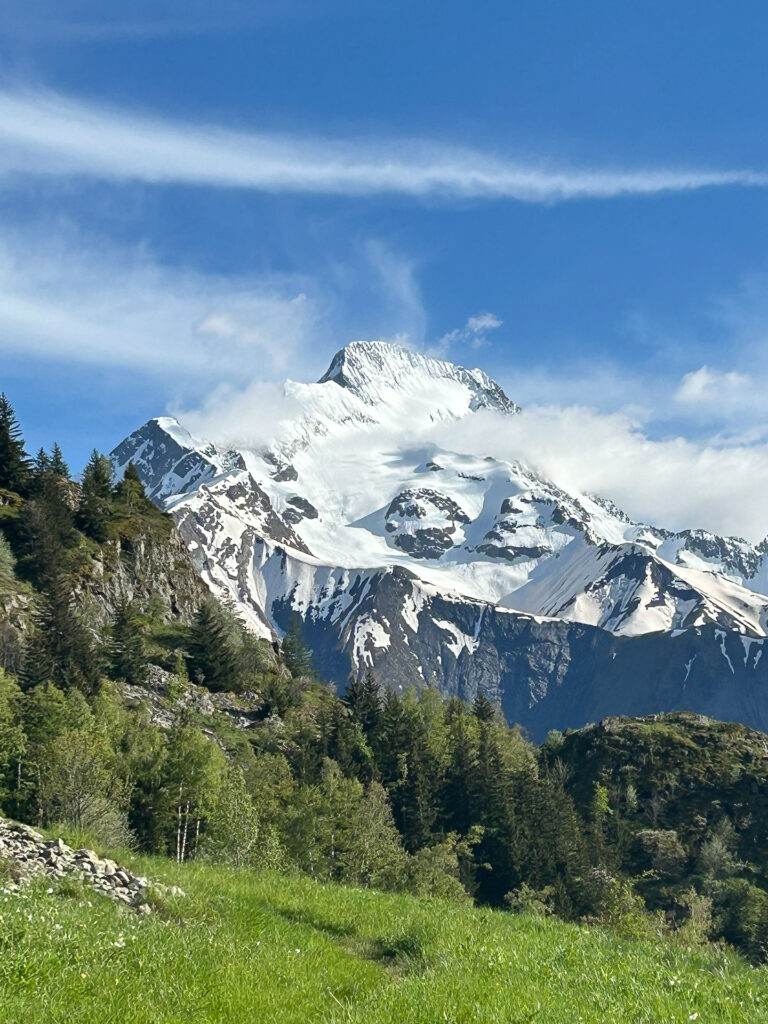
(704, 386)
(675, 483)
(247, 418)
(241, 336)
(67, 299)
(46, 134)
(474, 333)
(107, 308)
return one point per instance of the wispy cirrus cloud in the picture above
(48, 134)
(474, 334)
(74, 299)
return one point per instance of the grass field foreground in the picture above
(241, 947)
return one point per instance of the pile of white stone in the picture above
(28, 854)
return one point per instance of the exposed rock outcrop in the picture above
(28, 854)
(147, 566)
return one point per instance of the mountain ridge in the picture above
(352, 488)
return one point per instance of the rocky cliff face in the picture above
(150, 565)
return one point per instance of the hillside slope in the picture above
(245, 947)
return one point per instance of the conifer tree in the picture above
(58, 465)
(14, 461)
(95, 495)
(130, 490)
(457, 795)
(65, 641)
(213, 656)
(409, 769)
(36, 664)
(41, 464)
(296, 653)
(46, 529)
(363, 698)
(346, 745)
(484, 710)
(127, 647)
(492, 806)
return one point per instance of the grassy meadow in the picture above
(243, 947)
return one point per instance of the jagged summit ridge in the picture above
(372, 368)
(461, 569)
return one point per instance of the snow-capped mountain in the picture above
(435, 566)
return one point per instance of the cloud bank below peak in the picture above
(45, 134)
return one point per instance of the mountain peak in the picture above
(367, 368)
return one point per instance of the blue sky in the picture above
(196, 196)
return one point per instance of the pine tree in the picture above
(483, 709)
(213, 656)
(14, 461)
(296, 654)
(95, 497)
(65, 642)
(363, 698)
(41, 464)
(58, 465)
(130, 490)
(127, 648)
(409, 769)
(36, 664)
(45, 530)
(456, 798)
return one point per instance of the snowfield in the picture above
(352, 498)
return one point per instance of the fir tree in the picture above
(14, 461)
(409, 769)
(484, 710)
(36, 664)
(296, 653)
(492, 807)
(127, 647)
(346, 745)
(363, 698)
(456, 797)
(212, 652)
(95, 496)
(130, 490)
(58, 465)
(46, 530)
(39, 546)
(65, 641)
(41, 464)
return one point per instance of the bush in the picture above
(525, 900)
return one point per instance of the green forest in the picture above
(134, 714)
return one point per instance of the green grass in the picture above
(241, 948)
